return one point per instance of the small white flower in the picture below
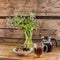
(32, 15)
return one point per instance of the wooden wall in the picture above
(38, 7)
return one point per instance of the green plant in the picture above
(27, 23)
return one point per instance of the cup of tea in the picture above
(38, 49)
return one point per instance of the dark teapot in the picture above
(47, 41)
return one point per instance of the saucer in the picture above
(22, 53)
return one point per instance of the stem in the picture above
(28, 36)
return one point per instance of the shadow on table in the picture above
(7, 59)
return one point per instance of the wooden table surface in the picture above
(6, 53)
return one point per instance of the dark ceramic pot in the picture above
(49, 45)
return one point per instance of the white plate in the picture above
(22, 53)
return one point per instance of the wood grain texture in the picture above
(39, 7)
(6, 53)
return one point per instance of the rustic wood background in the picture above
(38, 7)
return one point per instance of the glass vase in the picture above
(28, 39)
